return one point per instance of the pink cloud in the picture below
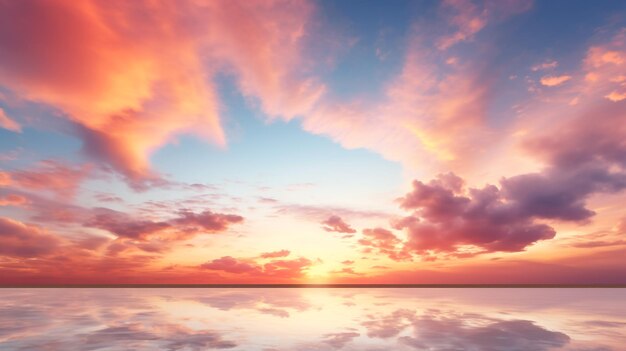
(549, 64)
(383, 241)
(18, 239)
(277, 270)
(8, 123)
(336, 224)
(184, 226)
(339, 340)
(13, 200)
(468, 18)
(552, 81)
(616, 96)
(51, 176)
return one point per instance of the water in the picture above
(313, 319)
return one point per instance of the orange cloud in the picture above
(5, 179)
(545, 65)
(275, 254)
(13, 200)
(135, 75)
(616, 96)
(552, 81)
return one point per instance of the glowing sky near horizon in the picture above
(312, 141)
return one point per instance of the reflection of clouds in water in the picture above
(309, 319)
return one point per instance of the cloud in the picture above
(184, 226)
(582, 156)
(336, 224)
(7, 123)
(278, 269)
(206, 221)
(321, 213)
(616, 96)
(384, 242)
(230, 265)
(124, 225)
(133, 88)
(18, 239)
(552, 81)
(428, 115)
(549, 64)
(339, 340)
(468, 18)
(50, 176)
(13, 200)
(275, 254)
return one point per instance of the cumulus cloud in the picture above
(336, 224)
(445, 219)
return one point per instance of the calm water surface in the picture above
(313, 319)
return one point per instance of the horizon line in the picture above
(251, 286)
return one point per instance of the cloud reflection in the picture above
(312, 319)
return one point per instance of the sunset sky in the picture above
(347, 141)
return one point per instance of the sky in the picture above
(266, 142)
